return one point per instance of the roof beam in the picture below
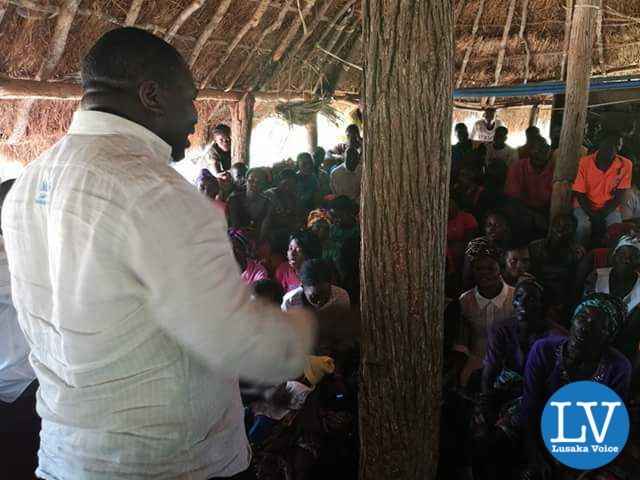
(208, 30)
(472, 42)
(56, 49)
(275, 26)
(32, 90)
(293, 31)
(134, 11)
(193, 7)
(253, 23)
(503, 46)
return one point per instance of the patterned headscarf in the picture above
(318, 215)
(482, 247)
(628, 241)
(613, 308)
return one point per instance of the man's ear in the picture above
(150, 95)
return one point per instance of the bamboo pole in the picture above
(576, 100)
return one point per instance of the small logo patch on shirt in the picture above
(43, 193)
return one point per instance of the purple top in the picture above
(544, 375)
(503, 346)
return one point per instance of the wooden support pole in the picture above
(193, 7)
(409, 103)
(241, 126)
(523, 39)
(576, 100)
(55, 51)
(567, 35)
(312, 134)
(600, 41)
(533, 115)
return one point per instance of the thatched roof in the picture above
(283, 46)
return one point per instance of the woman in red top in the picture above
(303, 246)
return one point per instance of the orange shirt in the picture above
(599, 186)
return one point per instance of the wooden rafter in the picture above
(312, 28)
(503, 46)
(523, 38)
(293, 31)
(467, 53)
(3, 10)
(253, 23)
(193, 7)
(599, 41)
(274, 27)
(208, 30)
(459, 8)
(334, 23)
(56, 49)
(134, 11)
(13, 89)
(342, 51)
(567, 36)
(336, 44)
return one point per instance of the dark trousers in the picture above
(20, 436)
(246, 475)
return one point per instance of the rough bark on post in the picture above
(312, 134)
(407, 120)
(579, 64)
(241, 126)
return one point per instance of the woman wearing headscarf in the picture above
(585, 355)
(623, 281)
(489, 302)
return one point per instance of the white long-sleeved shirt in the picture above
(139, 324)
(15, 372)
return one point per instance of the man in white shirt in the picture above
(499, 151)
(19, 422)
(127, 290)
(316, 290)
(485, 129)
(346, 178)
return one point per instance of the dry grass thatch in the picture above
(253, 49)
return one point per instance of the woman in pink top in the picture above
(303, 245)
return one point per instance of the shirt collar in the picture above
(86, 122)
(498, 301)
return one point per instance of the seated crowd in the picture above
(535, 303)
(296, 238)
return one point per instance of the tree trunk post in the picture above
(241, 126)
(407, 120)
(312, 134)
(579, 64)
